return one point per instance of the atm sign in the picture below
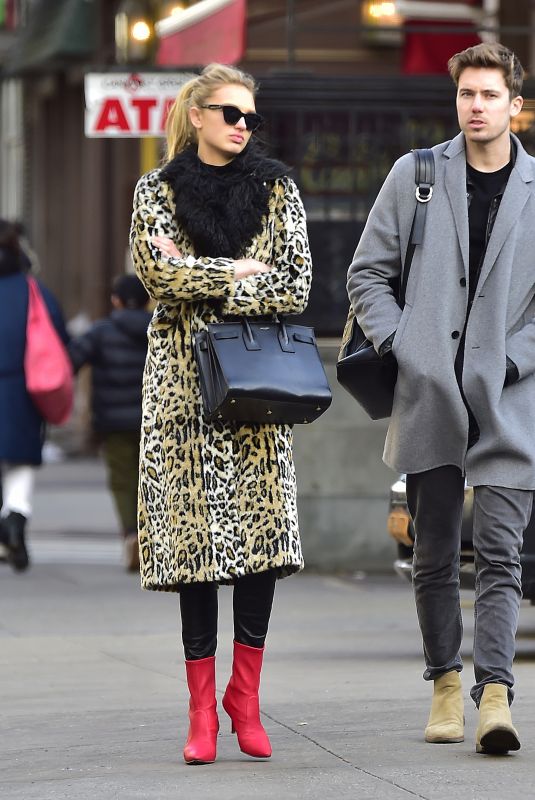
(129, 105)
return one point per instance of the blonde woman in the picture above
(219, 230)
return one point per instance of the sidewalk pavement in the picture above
(93, 701)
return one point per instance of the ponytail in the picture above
(178, 128)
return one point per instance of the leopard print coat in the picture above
(216, 500)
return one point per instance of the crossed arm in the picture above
(245, 286)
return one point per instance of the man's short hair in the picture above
(490, 56)
(130, 291)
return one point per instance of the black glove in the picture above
(385, 349)
(511, 372)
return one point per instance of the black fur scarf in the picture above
(221, 208)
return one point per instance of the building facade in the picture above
(343, 99)
(339, 108)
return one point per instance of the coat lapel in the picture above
(513, 201)
(455, 180)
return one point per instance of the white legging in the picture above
(17, 488)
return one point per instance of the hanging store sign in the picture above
(121, 104)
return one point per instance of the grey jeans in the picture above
(435, 500)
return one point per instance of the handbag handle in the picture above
(248, 336)
(251, 342)
(284, 338)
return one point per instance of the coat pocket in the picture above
(398, 338)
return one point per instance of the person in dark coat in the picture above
(22, 429)
(116, 348)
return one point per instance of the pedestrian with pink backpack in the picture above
(35, 386)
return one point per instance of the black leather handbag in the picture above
(370, 379)
(256, 370)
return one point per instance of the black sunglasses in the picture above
(232, 114)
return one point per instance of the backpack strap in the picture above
(424, 178)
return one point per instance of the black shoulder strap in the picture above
(424, 178)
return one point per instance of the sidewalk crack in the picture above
(345, 760)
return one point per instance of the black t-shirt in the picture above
(486, 185)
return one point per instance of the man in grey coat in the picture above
(464, 404)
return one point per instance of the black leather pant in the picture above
(252, 601)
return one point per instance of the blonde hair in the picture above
(179, 131)
(490, 56)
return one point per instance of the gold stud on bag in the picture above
(269, 372)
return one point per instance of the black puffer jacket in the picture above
(116, 348)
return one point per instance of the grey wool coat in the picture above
(429, 423)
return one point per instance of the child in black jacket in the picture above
(116, 348)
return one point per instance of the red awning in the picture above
(210, 30)
(427, 53)
(435, 30)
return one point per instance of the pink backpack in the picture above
(47, 367)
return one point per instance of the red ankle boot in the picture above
(241, 701)
(201, 743)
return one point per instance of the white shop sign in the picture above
(120, 104)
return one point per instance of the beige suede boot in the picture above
(495, 732)
(446, 720)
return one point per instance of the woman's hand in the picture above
(167, 246)
(244, 267)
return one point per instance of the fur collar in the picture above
(221, 208)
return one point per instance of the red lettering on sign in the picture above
(112, 116)
(165, 111)
(144, 106)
